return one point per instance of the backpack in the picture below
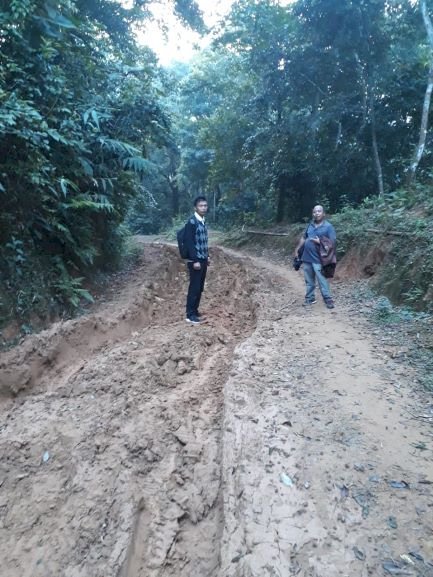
(180, 235)
(328, 270)
(181, 242)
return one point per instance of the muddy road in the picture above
(269, 441)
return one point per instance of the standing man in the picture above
(310, 242)
(196, 240)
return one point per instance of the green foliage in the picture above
(79, 112)
(384, 311)
(68, 289)
(300, 103)
(190, 14)
(400, 225)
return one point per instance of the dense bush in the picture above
(79, 110)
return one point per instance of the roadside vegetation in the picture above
(391, 238)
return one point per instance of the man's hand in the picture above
(316, 239)
(196, 266)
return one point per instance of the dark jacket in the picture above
(327, 251)
(196, 240)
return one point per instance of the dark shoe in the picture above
(329, 303)
(193, 319)
(309, 302)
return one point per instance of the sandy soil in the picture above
(269, 441)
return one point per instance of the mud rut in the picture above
(134, 445)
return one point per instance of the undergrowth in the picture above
(36, 289)
(400, 225)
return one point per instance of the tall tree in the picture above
(427, 98)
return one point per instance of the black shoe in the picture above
(309, 302)
(193, 319)
(329, 303)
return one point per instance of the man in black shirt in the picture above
(196, 240)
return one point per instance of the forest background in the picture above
(316, 101)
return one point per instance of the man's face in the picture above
(201, 207)
(318, 213)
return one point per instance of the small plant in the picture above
(131, 252)
(413, 295)
(69, 289)
(384, 310)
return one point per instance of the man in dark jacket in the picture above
(310, 243)
(196, 240)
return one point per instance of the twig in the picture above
(418, 417)
(393, 232)
(266, 233)
(373, 230)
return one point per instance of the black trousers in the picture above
(196, 286)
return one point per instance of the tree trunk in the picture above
(172, 182)
(427, 98)
(368, 110)
(339, 134)
(216, 201)
(377, 162)
(364, 93)
(280, 204)
(282, 197)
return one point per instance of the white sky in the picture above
(179, 43)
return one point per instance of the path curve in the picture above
(272, 440)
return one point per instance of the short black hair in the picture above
(199, 199)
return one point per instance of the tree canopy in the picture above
(316, 100)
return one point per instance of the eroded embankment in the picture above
(111, 452)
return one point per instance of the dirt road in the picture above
(270, 441)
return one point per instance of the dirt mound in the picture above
(154, 296)
(362, 262)
(271, 440)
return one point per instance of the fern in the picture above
(94, 202)
(139, 164)
(118, 147)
